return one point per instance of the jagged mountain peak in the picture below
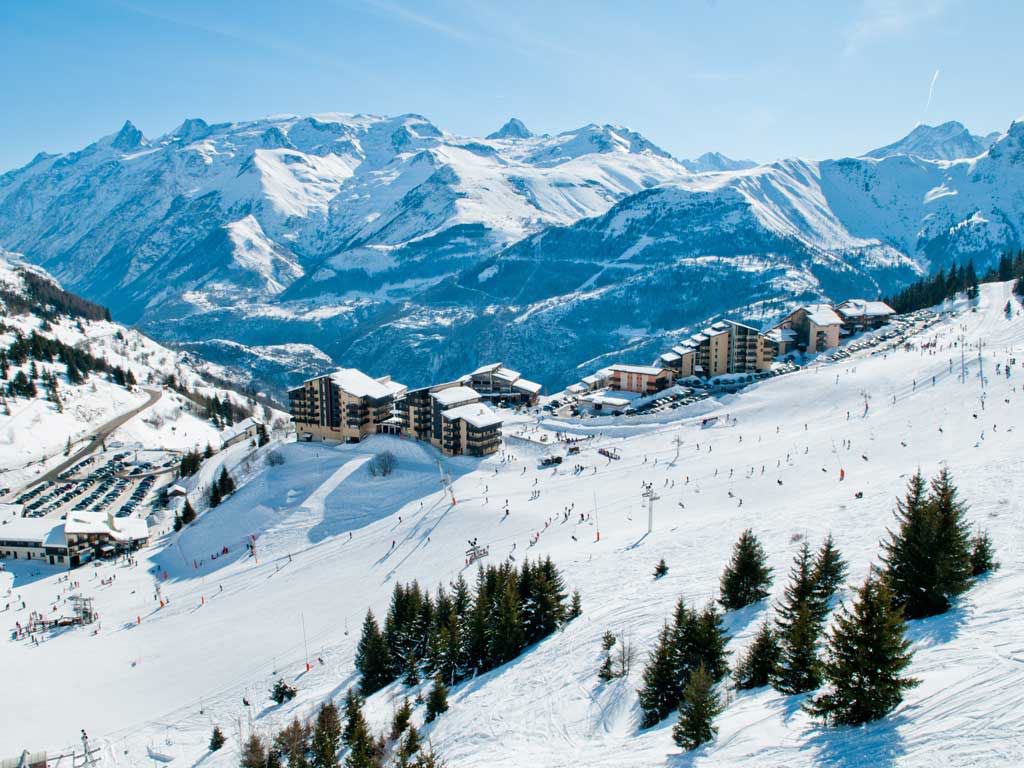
(513, 129)
(128, 138)
(715, 162)
(947, 141)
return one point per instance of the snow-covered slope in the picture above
(38, 433)
(235, 625)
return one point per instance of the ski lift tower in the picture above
(82, 606)
(651, 497)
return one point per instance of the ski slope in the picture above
(331, 540)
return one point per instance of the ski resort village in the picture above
(689, 556)
(650, 395)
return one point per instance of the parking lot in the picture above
(122, 483)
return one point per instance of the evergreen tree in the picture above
(982, 555)
(952, 537)
(282, 692)
(829, 571)
(506, 638)
(928, 559)
(799, 669)
(698, 709)
(208, 452)
(575, 606)
(178, 524)
(410, 746)
(187, 513)
(215, 496)
(254, 753)
(703, 645)
(661, 569)
(437, 700)
(756, 667)
(867, 654)
(225, 483)
(401, 719)
(216, 739)
(659, 693)
(372, 657)
(606, 672)
(802, 589)
(747, 578)
(293, 743)
(354, 720)
(326, 737)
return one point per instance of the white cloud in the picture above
(886, 18)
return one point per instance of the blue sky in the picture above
(750, 79)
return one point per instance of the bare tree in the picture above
(382, 464)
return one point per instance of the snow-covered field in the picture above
(331, 540)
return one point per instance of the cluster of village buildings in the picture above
(456, 417)
(71, 542)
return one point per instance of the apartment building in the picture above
(722, 348)
(815, 327)
(643, 379)
(71, 542)
(864, 315)
(496, 383)
(451, 417)
(344, 406)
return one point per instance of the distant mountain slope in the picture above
(388, 243)
(948, 141)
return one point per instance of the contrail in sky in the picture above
(931, 90)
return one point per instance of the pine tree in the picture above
(867, 654)
(575, 607)
(401, 719)
(661, 569)
(282, 692)
(799, 669)
(437, 700)
(952, 537)
(409, 747)
(698, 709)
(293, 743)
(353, 716)
(225, 483)
(254, 753)
(187, 513)
(756, 667)
(928, 559)
(659, 693)
(216, 739)
(606, 672)
(747, 578)
(326, 737)
(506, 638)
(704, 645)
(372, 657)
(829, 571)
(215, 496)
(982, 555)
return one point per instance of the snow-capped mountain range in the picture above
(390, 244)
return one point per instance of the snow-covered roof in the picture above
(671, 357)
(455, 395)
(822, 314)
(596, 378)
(42, 531)
(575, 389)
(644, 370)
(475, 414)
(781, 334)
(738, 324)
(238, 429)
(507, 374)
(358, 384)
(118, 528)
(599, 398)
(864, 308)
(489, 368)
(528, 386)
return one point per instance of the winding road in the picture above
(100, 436)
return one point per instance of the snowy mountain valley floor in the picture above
(152, 683)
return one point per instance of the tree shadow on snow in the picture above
(943, 628)
(737, 621)
(875, 745)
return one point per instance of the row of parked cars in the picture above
(137, 497)
(892, 335)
